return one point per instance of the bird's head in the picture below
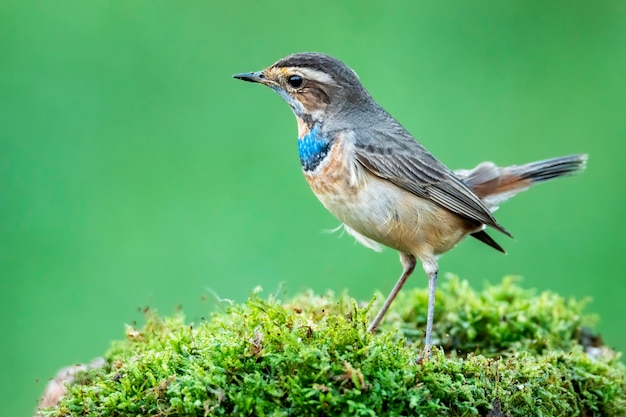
(316, 86)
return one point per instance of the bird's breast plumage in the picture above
(375, 208)
(328, 178)
(313, 148)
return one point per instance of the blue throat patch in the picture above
(313, 148)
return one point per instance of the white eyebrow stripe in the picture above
(316, 75)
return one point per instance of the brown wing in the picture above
(409, 166)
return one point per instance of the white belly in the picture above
(381, 211)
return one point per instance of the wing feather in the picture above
(404, 162)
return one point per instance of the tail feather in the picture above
(485, 238)
(550, 168)
(495, 185)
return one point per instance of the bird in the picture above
(381, 183)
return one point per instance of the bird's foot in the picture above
(425, 356)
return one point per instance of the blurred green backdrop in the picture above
(134, 171)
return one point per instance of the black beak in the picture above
(253, 77)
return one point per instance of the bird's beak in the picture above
(253, 77)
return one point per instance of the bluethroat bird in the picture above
(383, 185)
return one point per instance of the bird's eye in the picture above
(295, 81)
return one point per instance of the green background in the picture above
(134, 171)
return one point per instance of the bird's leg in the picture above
(408, 265)
(431, 268)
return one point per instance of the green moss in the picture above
(312, 356)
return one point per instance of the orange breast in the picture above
(332, 176)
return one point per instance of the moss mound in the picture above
(508, 352)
